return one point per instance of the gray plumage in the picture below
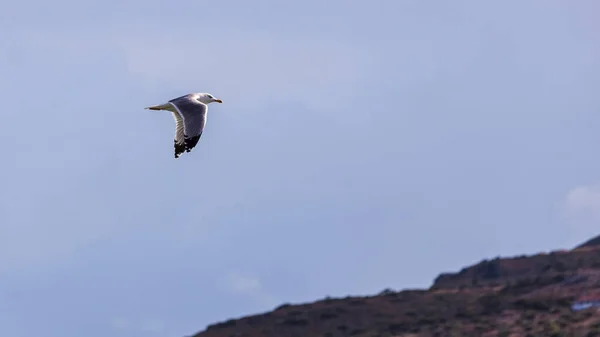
(189, 112)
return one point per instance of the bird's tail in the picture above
(159, 107)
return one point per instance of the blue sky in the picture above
(359, 147)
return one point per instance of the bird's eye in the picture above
(210, 96)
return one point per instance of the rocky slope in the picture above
(519, 296)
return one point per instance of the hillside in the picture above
(518, 296)
(593, 242)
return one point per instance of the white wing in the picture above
(178, 141)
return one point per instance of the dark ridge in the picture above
(516, 296)
(593, 242)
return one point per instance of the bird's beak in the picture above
(218, 100)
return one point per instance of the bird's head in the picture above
(207, 98)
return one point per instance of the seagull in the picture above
(189, 112)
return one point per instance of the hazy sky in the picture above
(360, 146)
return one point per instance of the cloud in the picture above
(582, 210)
(246, 68)
(251, 287)
(584, 201)
(243, 284)
(249, 66)
(137, 326)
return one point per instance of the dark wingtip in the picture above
(179, 149)
(191, 142)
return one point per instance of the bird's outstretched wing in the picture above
(179, 140)
(193, 115)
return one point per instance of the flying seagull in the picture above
(189, 112)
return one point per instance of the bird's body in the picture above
(189, 112)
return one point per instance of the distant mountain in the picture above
(593, 242)
(537, 295)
